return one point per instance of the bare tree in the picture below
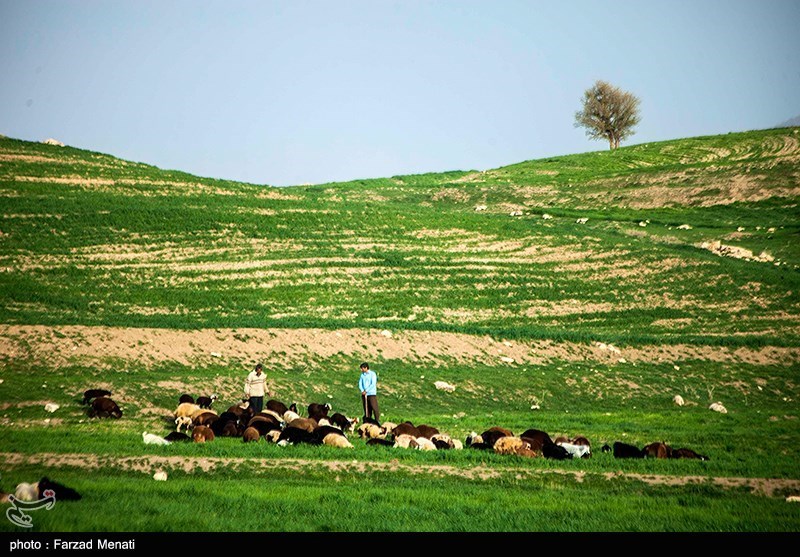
(608, 113)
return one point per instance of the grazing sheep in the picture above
(186, 398)
(309, 424)
(337, 440)
(322, 430)
(90, 394)
(427, 431)
(103, 407)
(406, 428)
(473, 437)
(242, 411)
(263, 425)
(183, 422)
(151, 439)
(62, 492)
(657, 450)
(26, 492)
(508, 444)
(425, 444)
(527, 453)
(279, 407)
(624, 450)
(581, 440)
(186, 409)
(537, 438)
(576, 451)
(557, 452)
(204, 417)
(343, 422)
(318, 411)
(405, 441)
(251, 434)
(206, 401)
(381, 442)
(491, 435)
(273, 436)
(687, 453)
(442, 441)
(289, 416)
(177, 436)
(457, 444)
(278, 418)
(202, 434)
(369, 431)
(387, 426)
(293, 435)
(230, 429)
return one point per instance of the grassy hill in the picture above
(595, 286)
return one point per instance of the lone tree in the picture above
(608, 113)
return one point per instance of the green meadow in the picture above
(576, 294)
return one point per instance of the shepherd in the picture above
(368, 385)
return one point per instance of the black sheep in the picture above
(104, 407)
(61, 492)
(624, 450)
(186, 398)
(206, 401)
(177, 436)
(94, 393)
(318, 411)
(296, 435)
(557, 452)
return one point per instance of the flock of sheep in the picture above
(278, 423)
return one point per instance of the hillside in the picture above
(576, 294)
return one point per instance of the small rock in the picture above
(51, 407)
(386, 333)
(507, 360)
(216, 355)
(546, 216)
(444, 386)
(582, 220)
(160, 476)
(685, 227)
(678, 399)
(51, 141)
(481, 208)
(718, 407)
(793, 498)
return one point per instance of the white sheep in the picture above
(27, 492)
(577, 451)
(336, 440)
(289, 416)
(425, 444)
(151, 439)
(186, 409)
(405, 441)
(183, 421)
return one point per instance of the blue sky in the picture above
(291, 92)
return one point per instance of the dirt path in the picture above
(769, 487)
(65, 345)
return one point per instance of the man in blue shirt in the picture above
(368, 385)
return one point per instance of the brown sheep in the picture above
(657, 450)
(406, 428)
(204, 418)
(250, 434)
(427, 431)
(103, 407)
(308, 424)
(510, 445)
(202, 433)
(336, 440)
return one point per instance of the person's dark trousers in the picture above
(256, 404)
(371, 408)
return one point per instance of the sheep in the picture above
(273, 436)
(251, 434)
(151, 439)
(369, 431)
(657, 450)
(263, 425)
(381, 442)
(427, 431)
(405, 441)
(61, 492)
(186, 409)
(491, 435)
(26, 492)
(425, 444)
(343, 422)
(317, 411)
(309, 424)
(577, 451)
(687, 453)
(204, 417)
(279, 407)
(537, 438)
(186, 398)
(277, 418)
(177, 436)
(103, 407)
(202, 434)
(442, 441)
(387, 426)
(289, 416)
(201, 412)
(323, 430)
(90, 394)
(557, 452)
(406, 428)
(337, 440)
(624, 450)
(183, 422)
(292, 435)
(509, 444)
(242, 411)
(206, 401)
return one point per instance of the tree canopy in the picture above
(608, 113)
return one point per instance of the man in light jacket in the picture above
(255, 387)
(368, 385)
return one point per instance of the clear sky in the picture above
(290, 92)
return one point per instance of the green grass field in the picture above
(597, 286)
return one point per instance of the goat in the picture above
(557, 452)
(279, 407)
(381, 442)
(427, 431)
(576, 451)
(103, 407)
(537, 438)
(406, 428)
(343, 422)
(263, 425)
(292, 435)
(205, 417)
(186, 398)
(90, 394)
(177, 436)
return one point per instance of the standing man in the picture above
(255, 387)
(368, 385)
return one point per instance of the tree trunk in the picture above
(611, 141)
